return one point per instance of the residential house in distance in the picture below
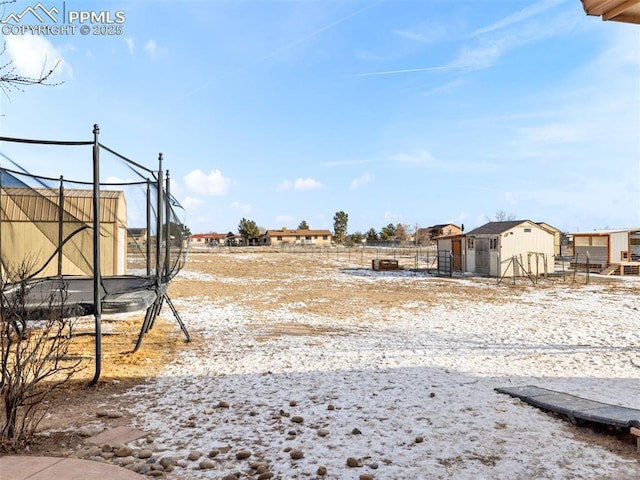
(511, 248)
(137, 236)
(607, 248)
(296, 237)
(208, 239)
(428, 234)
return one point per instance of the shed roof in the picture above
(496, 228)
(21, 204)
(627, 11)
(287, 232)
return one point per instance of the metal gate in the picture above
(444, 262)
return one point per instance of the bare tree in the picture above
(10, 80)
(502, 216)
(33, 357)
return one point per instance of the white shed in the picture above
(512, 248)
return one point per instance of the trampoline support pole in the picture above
(97, 300)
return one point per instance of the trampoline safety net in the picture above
(47, 222)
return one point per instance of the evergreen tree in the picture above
(340, 220)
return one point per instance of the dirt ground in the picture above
(259, 284)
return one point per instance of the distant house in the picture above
(441, 230)
(510, 248)
(207, 239)
(137, 236)
(607, 247)
(296, 237)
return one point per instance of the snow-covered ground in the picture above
(406, 389)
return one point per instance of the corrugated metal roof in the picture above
(627, 11)
(41, 205)
(496, 228)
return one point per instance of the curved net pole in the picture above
(159, 209)
(148, 243)
(167, 232)
(97, 303)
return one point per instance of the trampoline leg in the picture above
(145, 326)
(177, 317)
(156, 314)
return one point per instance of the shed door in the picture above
(456, 252)
(483, 256)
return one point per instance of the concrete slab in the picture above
(47, 468)
(120, 434)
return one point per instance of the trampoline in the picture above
(65, 245)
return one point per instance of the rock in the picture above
(106, 448)
(94, 451)
(297, 419)
(331, 407)
(373, 465)
(102, 413)
(145, 453)
(356, 431)
(296, 454)
(157, 467)
(114, 414)
(166, 461)
(292, 403)
(213, 453)
(126, 461)
(207, 464)
(322, 471)
(182, 463)
(432, 394)
(243, 454)
(149, 439)
(353, 462)
(194, 455)
(223, 404)
(292, 433)
(124, 451)
(230, 477)
(365, 476)
(208, 411)
(265, 476)
(156, 473)
(323, 432)
(108, 455)
(419, 439)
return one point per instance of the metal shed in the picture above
(32, 226)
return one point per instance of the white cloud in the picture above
(421, 157)
(361, 180)
(130, 44)
(520, 15)
(241, 207)
(33, 56)
(191, 203)
(152, 48)
(426, 33)
(214, 183)
(306, 184)
(284, 185)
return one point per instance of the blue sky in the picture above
(412, 112)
